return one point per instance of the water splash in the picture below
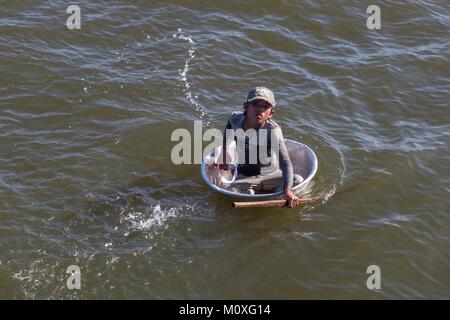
(193, 99)
(153, 221)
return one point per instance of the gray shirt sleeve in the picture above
(285, 162)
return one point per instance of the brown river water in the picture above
(86, 176)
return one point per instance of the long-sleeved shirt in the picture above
(276, 161)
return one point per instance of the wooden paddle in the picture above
(271, 203)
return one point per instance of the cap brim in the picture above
(261, 98)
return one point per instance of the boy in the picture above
(277, 174)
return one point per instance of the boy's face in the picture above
(258, 111)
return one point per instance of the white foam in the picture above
(154, 220)
(193, 99)
(329, 194)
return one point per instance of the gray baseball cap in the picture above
(261, 93)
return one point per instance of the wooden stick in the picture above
(260, 204)
(270, 203)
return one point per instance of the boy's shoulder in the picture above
(270, 124)
(236, 119)
(237, 114)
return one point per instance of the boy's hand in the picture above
(292, 200)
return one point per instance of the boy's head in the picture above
(261, 93)
(260, 104)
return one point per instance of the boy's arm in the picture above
(285, 164)
(288, 175)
